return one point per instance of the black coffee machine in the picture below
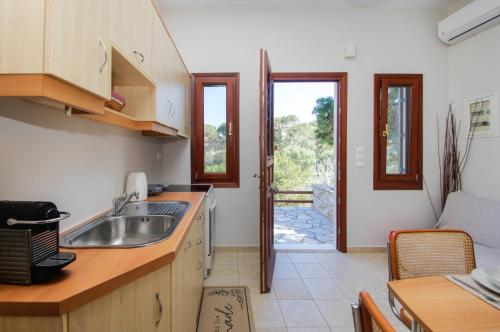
(29, 242)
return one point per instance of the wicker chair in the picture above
(428, 252)
(368, 317)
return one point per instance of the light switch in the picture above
(360, 153)
(360, 164)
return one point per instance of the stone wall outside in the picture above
(324, 200)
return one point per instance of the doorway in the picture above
(267, 189)
(321, 101)
(304, 163)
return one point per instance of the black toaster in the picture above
(29, 242)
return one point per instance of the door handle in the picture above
(385, 131)
(101, 68)
(160, 309)
(140, 55)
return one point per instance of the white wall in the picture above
(475, 71)
(78, 164)
(312, 39)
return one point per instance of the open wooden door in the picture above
(266, 149)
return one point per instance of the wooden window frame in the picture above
(413, 179)
(230, 179)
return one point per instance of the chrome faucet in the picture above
(120, 202)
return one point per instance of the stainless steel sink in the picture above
(139, 224)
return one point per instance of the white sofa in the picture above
(480, 218)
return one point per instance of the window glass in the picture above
(397, 129)
(214, 116)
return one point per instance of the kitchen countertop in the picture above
(97, 272)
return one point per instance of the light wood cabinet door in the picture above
(143, 305)
(21, 36)
(76, 44)
(160, 54)
(131, 30)
(187, 280)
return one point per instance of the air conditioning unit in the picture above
(469, 21)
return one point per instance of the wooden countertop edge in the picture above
(57, 308)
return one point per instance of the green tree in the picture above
(324, 120)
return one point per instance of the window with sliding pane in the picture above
(397, 162)
(214, 139)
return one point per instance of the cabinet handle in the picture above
(188, 245)
(105, 55)
(198, 242)
(199, 266)
(140, 54)
(160, 309)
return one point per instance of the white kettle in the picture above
(136, 181)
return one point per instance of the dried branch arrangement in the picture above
(453, 162)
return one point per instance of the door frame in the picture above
(341, 165)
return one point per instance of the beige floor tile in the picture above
(336, 312)
(267, 313)
(285, 271)
(254, 286)
(248, 258)
(336, 270)
(301, 313)
(302, 257)
(324, 289)
(282, 258)
(221, 282)
(224, 271)
(249, 271)
(368, 269)
(313, 271)
(225, 258)
(330, 257)
(272, 329)
(351, 286)
(309, 329)
(248, 249)
(359, 258)
(343, 328)
(291, 289)
(225, 249)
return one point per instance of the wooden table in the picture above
(437, 304)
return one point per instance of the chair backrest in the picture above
(368, 317)
(420, 253)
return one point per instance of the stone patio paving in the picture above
(302, 225)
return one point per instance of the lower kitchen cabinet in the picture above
(187, 276)
(167, 299)
(143, 305)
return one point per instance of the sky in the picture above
(297, 98)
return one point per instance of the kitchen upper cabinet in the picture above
(21, 36)
(77, 44)
(143, 305)
(178, 82)
(131, 30)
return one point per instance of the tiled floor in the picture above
(302, 225)
(311, 292)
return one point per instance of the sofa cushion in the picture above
(477, 216)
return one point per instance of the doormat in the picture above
(226, 309)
